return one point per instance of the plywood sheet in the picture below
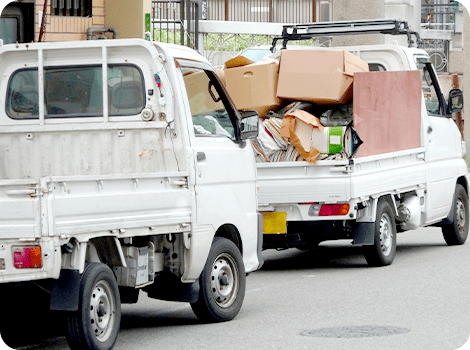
(387, 111)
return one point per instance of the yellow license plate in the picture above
(274, 223)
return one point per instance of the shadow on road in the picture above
(183, 317)
(336, 255)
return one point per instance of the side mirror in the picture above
(455, 99)
(249, 125)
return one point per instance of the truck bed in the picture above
(332, 181)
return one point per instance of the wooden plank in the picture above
(387, 111)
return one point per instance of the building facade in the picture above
(66, 20)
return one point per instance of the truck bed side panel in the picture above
(297, 182)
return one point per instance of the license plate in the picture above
(274, 223)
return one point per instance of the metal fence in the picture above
(278, 11)
(438, 50)
(438, 14)
(176, 21)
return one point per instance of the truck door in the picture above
(442, 142)
(225, 168)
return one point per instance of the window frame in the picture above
(223, 94)
(78, 115)
(72, 8)
(426, 63)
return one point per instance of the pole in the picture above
(42, 31)
(458, 118)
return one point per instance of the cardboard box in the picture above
(387, 111)
(221, 74)
(318, 76)
(200, 100)
(254, 86)
(298, 127)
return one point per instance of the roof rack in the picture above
(292, 32)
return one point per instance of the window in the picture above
(8, 30)
(376, 67)
(324, 10)
(206, 101)
(76, 92)
(80, 8)
(431, 97)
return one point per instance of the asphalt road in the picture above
(324, 299)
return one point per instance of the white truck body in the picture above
(117, 176)
(430, 173)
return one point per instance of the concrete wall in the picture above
(128, 20)
(406, 10)
(60, 28)
(347, 10)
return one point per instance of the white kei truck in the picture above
(107, 187)
(369, 199)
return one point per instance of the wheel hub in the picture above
(224, 284)
(386, 234)
(101, 311)
(460, 215)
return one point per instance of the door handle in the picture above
(20, 192)
(200, 156)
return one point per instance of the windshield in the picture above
(255, 54)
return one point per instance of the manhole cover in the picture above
(354, 332)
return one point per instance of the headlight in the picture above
(464, 149)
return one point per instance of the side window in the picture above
(126, 93)
(206, 101)
(76, 92)
(23, 97)
(376, 67)
(430, 96)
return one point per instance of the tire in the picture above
(457, 232)
(222, 283)
(95, 325)
(384, 249)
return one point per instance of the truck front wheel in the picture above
(382, 252)
(95, 325)
(222, 283)
(457, 232)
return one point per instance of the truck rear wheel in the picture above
(95, 325)
(382, 252)
(222, 283)
(457, 232)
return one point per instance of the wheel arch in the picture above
(231, 233)
(76, 257)
(463, 181)
(450, 217)
(365, 223)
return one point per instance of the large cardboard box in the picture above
(254, 86)
(318, 76)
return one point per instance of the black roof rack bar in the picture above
(293, 32)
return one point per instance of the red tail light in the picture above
(334, 209)
(27, 257)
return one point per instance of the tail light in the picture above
(27, 257)
(334, 209)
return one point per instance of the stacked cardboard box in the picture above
(323, 78)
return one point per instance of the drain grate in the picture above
(355, 332)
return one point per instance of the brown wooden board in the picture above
(387, 111)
